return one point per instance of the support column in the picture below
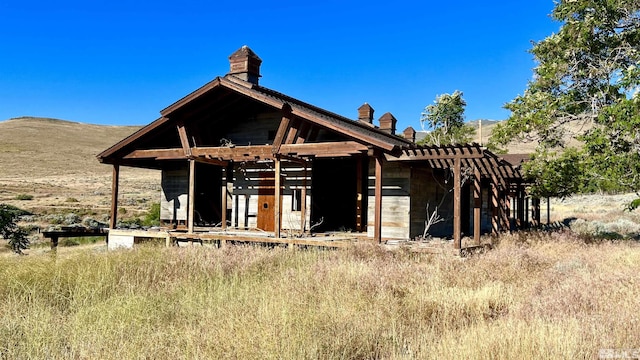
(457, 205)
(359, 196)
(477, 206)
(377, 222)
(114, 197)
(521, 206)
(505, 212)
(277, 191)
(54, 242)
(192, 194)
(495, 210)
(303, 200)
(224, 205)
(526, 212)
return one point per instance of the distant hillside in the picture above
(36, 147)
(487, 128)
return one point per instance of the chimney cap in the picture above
(388, 123)
(245, 52)
(365, 106)
(245, 65)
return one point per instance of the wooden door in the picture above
(266, 201)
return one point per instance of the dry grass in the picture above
(537, 296)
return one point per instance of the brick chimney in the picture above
(245, 64)
(409, 134)
(388, 123)
(365, 114)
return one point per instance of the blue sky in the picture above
(120, 63)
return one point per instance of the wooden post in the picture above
(457, 205)
(521, 206)
(377, 222)
(359, 195)
(477, 206)
(277, 193)
(224, 205)
(526, 212)
(54, 242)
(114, 197)
(192, 194)
(303, 200)
(495, 209)
(506, 211)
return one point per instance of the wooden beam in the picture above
(477, 206)
(377, 222)
(277, 192)
(156, 153)
(282, 129)
(192, 193)
(438, 153)
(184, 139)
(457, 205)
(115, 179)
(237, 153)
(216, 162)
(321, 149)
(194, 95)
(293, 131)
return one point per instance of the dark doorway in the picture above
(334, 195)
(208, 199)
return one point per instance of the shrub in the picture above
(16, 236)
(153, 215)
(24, 197)
(72, 200)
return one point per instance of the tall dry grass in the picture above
(534, 296)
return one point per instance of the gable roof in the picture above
(356, 130)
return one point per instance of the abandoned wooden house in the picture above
(239, 159)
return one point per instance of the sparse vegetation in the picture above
(24, 197)
(9, 230)
(535, 295)
(152, 218)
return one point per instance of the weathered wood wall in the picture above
(174, 194)
(246, 185)
(396, 202)
(259, 130)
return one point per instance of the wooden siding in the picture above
(174, 194)
(246, 186)
(258, 130)
(396, 203)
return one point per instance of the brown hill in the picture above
(34, 147)
(54, 161)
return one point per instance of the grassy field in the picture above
(535, 296)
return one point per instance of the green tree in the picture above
(9, 230)
(445, 120)
(583, 95)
